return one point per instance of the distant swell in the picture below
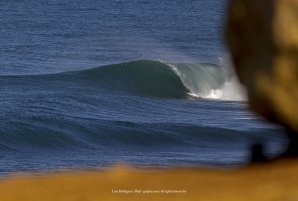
(66, 135)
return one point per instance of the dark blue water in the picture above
(90, 84)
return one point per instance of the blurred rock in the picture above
(263, 39)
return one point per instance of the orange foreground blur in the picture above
(273, 181)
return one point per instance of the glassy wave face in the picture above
(153, 78)
(168, 80)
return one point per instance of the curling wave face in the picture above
(167, 80)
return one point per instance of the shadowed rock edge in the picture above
(263, 40)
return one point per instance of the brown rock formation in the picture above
(263, 39)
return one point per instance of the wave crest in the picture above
(169, 80)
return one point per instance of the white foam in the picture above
(231, 90)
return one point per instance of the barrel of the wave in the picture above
(263, 39)
(145, 78)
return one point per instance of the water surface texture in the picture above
(93, 83)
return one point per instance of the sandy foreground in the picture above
(272, 181)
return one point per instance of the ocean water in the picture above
(89, 84)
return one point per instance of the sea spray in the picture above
(210, 81)
(231, 90)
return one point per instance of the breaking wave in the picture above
(144, 78)
(160, 79)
